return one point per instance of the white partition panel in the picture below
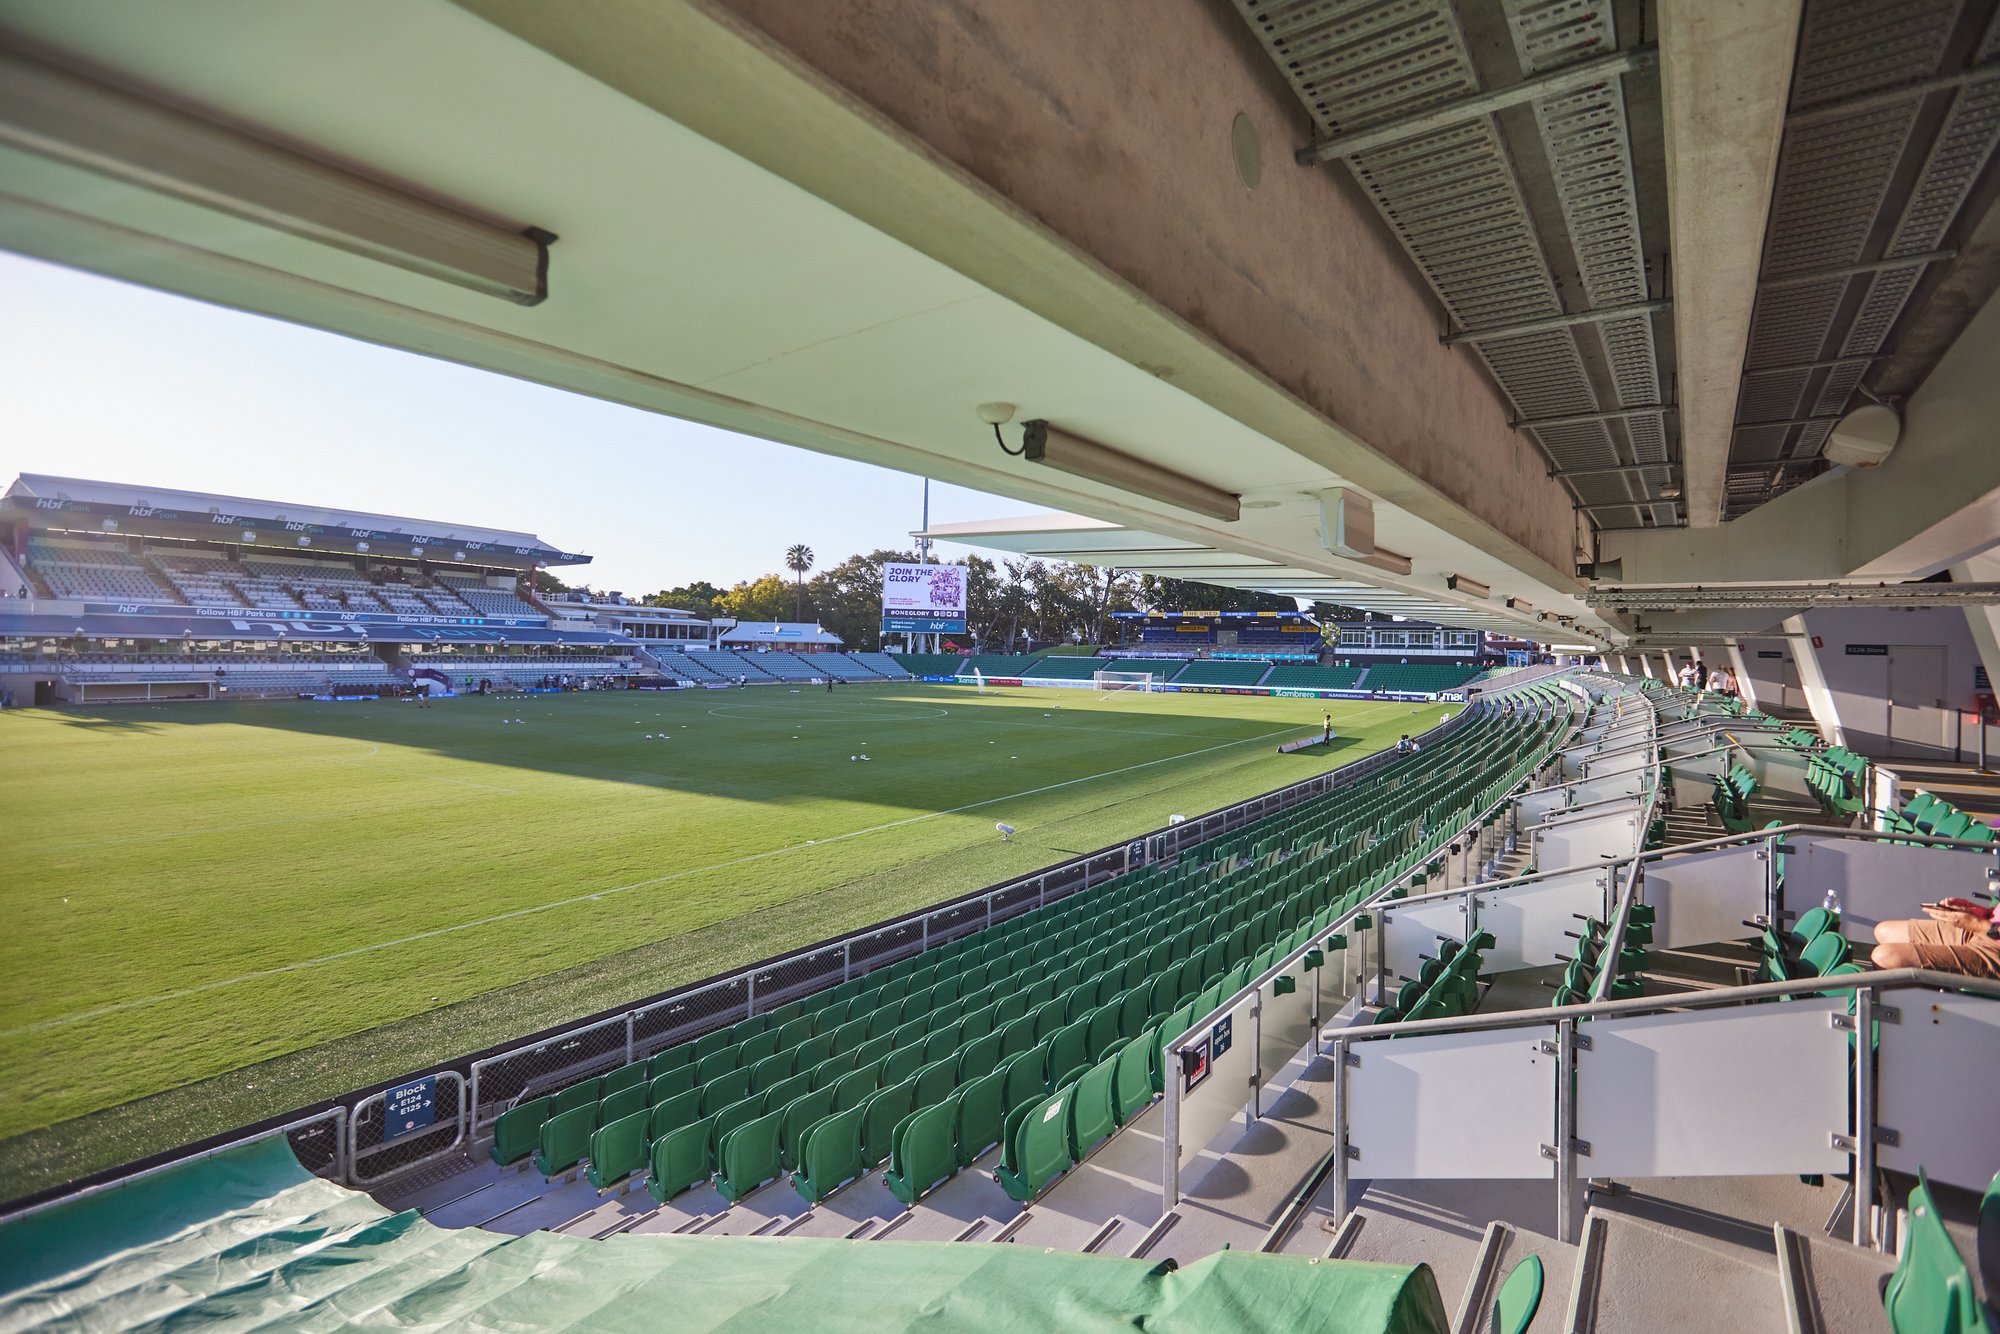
(1938, 1076)
(1588, 840)
(1878, 881)
(1285, 1025)
(1528, 921)
(1704, 897)
(1629, 784)
(1478, 1104)
(1224, 1091)
(1756, 1091)
(1412, 932)
(1625, 761)
(1535, 807)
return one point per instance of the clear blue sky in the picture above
(115, 383)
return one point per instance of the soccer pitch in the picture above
(233, 910)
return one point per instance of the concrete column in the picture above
(1746, 685)
(1646, 666)
(1984, 622)
(1813, 681)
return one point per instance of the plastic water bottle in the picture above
(1831, 903)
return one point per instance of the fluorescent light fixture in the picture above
(84, 123)
(1516, 604)
(1458, 583)
(1058, 449)
(1391, 561)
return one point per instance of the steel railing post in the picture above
(1170, 1144)
(1340, 1151)
(631, 1024)
(1566, 1221)
(1864, 1117)
(847, 961)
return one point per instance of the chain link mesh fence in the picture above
(376, 1152)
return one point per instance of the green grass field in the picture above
(220, 912)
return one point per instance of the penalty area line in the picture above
(116, 1007)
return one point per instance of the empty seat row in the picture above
(1066, 984)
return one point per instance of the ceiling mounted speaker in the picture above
(1347, 523)
(1865, 436)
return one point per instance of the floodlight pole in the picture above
(924, 544)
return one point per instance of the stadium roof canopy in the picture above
(138, 508)
(777, 633)
(1066, 537)
(1425, 268)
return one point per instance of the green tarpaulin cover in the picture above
(249, 1240)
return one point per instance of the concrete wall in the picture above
(1110, 124)
(1860, 683)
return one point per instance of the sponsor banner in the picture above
(337, 698)
(940, 680)
(923, 625)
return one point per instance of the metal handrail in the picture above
(1881, 979)
(1333, 928)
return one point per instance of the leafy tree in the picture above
(799, 559)
(760, 599)
(697, 598)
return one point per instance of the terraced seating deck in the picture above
(1296, 676)
(998, 664)
(1417, 677)
(1206, 672)
(929, 664)
(1063, 1008)
(1067, 668)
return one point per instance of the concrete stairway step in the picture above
(1636, 1277)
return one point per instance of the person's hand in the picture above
(1973, 922)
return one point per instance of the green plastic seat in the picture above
(981, 1115)
(1093, 1115)
(518, 1132)
(936, 1082)
(673, 1058)
(1520, 1295)
(1931, 1291)
(830, 1156)
(883, 1112)
(1069, 1047)
(718, 1063)
(729, 1118)
(924, 1152)
(750, 1156)
(981, 1056)
(624, 1077)
(729, 1087)
(1027, 1077)
(679, 1161)
(575, 1096)
(618, 1148)
(669, 1084)
(1132, 1084)
(855, 1086)
(1825, 954)
(623, 1103)
(565, 1139)
(798, 1116)
(675, 1112)
(1037, 1149)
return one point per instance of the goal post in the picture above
(1109, 681)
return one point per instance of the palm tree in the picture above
(799, 559)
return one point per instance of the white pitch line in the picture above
(100, 1011)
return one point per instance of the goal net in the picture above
(1109, 681)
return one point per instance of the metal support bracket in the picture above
(1841, 1142)
(1887, 1135)
(1842, 1022)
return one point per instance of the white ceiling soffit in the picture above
(700, 286)
(1065, 537)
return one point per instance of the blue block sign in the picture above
(410, 1108)
(1222, 1037)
